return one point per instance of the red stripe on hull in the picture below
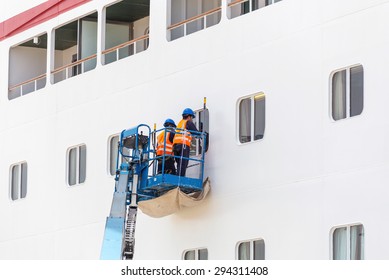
(36, 15)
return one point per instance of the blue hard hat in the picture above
(188, 112)
(169, 122)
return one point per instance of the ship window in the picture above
(126, 29)
(18, 180)
(347, 92)
(241, 7)
(196, 254)
(113, 145)
(188, 16)
(202, 124)
(251, 118)
(76, 166)
(348, 242)
(27, 66)
(75, 48)
(112, 153)
(251, 250)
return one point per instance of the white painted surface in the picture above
(307, 175)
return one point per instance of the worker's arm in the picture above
(191, 126)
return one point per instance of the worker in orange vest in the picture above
(182, 140)
(165, 147)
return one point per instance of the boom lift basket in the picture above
(139, 184)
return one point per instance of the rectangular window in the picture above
(112, 153)
(356, 90)
(202, 124)
(259, 249)
(76, 165)
(245, 120)
(348, 243)
(196, 254)
(240, 7)
(251, 250)
(251, 121)
(347, 92)
(75, 48)
(189, 16)
(32, 54)
(126, 29)
(340, 244)
(113, 150)
(244, 251)
(203, 254)
(18, 180)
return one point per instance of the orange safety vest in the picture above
(182, 136)
(161, 144)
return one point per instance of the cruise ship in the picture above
(297, 118)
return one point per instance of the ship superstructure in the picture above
(297, 124)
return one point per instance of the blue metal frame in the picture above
(153, 185)
(157, 184)
(133, 182)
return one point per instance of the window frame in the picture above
(112, 53)
(348, 238)
(201, 22)
(250, 7)
(197, 253)
(261, 95)
(203, 115)
(109, 154)
(251, 247)
(347, 92)
(77, 165)
(20, 180)
(78, 64)
(39, 81)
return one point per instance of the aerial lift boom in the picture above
(119, 238)
(135, 183)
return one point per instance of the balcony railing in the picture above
(74, 68)
(233, 3)
(133, 44)
(202, 16)
(252, 6)
(27, 86)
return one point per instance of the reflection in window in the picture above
(259, 249)
(348, 243)
(238, 8)
(113, 150)
(347, 93)
(251, 250)
(190, 255)
(251, 121)
(196, 254)
(18, 180)
(112, 153)
(244, 251)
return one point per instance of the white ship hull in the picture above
(306, 176)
